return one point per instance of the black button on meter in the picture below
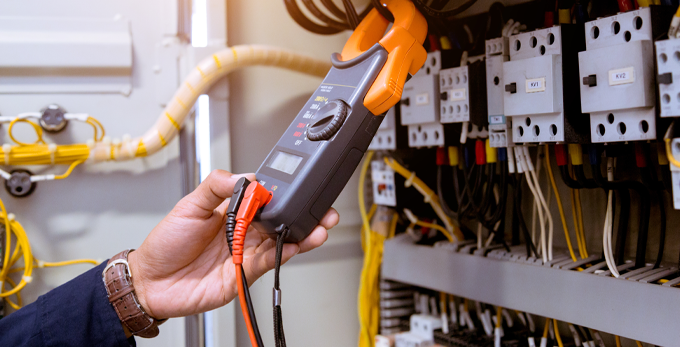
(330, 118)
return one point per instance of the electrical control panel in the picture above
(668, 77)
(500, 127)
(463, 94)
(617, 77)
(384, 187)
(541, 86)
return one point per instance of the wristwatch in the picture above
(121, 292)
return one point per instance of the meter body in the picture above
(318, 153)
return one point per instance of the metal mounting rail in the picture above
(642, 311)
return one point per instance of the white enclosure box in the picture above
(384, 188)
(500, 134)
(617, 77)
(668, 67)
(541, 93)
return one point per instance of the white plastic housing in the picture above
(454, 82)
(384, 188)
(426, 135)
(386, 136)
(668, 61)
(535, 66)
(500, 133)
(620, 53)
(420, 98)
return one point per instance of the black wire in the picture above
(566, 178)
(518, 212)
(440, 193)
(279, 335)
(622, 232)
(251, 310)
(645, 207)
(581, 178)
(427, 10)
(662, 230)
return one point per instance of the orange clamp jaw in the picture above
(403, 43)
(255, 198)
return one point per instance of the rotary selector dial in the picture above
(330, 118)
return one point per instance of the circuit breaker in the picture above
(668, 77)
(541, 91)
(617, 77)
(463, 94)
(500, 127)
(384, 187)
(420, 105)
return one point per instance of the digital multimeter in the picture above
(316, 156)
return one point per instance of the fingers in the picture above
(330, 219)
(261, 262)
(318, 236)
(212, 192)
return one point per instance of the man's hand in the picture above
(184, 266)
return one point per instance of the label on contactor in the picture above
(457, 94)
(535, 85)
(621, 76)
(422, 99)
(497, 119)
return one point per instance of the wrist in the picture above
(138, 281)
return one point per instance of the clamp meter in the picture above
(313, 160)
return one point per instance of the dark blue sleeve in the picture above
(77, 313)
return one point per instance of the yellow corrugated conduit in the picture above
(199, 80)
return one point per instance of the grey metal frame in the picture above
(641, 311)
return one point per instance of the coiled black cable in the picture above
(348, 19)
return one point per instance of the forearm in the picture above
(77, 313)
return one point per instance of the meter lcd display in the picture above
(284, 162)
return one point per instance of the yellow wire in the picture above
(68, 172)
(428, 193)
(618, 340)
(393, 226)
(499, 317)
(95, 121)
(435, 226)
(557, 334)
(545, 328)
(669, 151)
(548, 167)
(365, 291)
(66, 263)
(94, 126)
(371, 211)
(639, 344)
(575, 219)
(579, 211)
(36, 127)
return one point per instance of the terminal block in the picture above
(463, 94)
(390, 136)
(668, 76)
(500, 127)
(541, 86)
(617, 75)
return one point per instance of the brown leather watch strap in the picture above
(118, 281)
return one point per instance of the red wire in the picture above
(244, 305)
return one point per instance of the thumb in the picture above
(216, 188)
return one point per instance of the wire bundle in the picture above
(21, 250)
(347, 19)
